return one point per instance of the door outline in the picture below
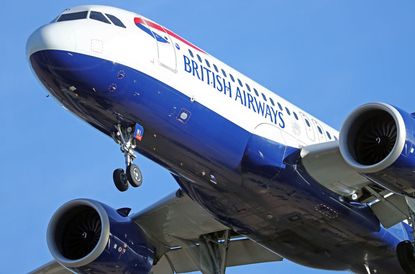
(166, 54)
(310, 132)
(320, 136)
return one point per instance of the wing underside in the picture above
(326, 165)
(187, 238)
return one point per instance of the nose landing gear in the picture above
(127, 137)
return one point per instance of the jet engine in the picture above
(87, 236)
(378, 140)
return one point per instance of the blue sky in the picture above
(325, 56)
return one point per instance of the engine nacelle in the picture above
(378, 140)
(87, 236)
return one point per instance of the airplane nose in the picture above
(50, 37)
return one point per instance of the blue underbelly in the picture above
(254, 185)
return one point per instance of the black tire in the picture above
(405, 252)
(134, 176)
(120, 179)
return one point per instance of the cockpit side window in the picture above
(99, 17)
(115, 20)
(73, 16)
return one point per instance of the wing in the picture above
(51, 268)
(187, 238)
(326, 165)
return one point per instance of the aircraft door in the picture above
(167, 52)
(321, 137)
(309, 128)
(166, 49)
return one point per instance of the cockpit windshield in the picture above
(99, 17)
(115, 20)
(94, 15)
(73, 16)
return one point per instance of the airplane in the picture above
(259, 179)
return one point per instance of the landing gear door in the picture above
(165, 46)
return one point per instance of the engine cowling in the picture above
(377, 140)
(87, 236)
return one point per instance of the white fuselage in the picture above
(237, 98)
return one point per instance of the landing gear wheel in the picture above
(125, 137)
(405, 252)
(120, 179)
(134, 176)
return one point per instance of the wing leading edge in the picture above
(187, 238)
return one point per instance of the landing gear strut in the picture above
(125, 137)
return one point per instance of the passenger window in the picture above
(272, 101)
(256, 92)
(319, 130)
(335, 138)
(249, 88)
(307, 122)
(216, 68)
(99, 17)
(279, 105)
(232, 78)
(207, 63)
(115, 20)
(328, 135)
(264, 97)
(240, 83)
(295, 115)
(73, 16)
(224, 73)
(199, 58)
(288, 111)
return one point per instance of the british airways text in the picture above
(219, 83)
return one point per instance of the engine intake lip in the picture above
(55, 223)
(349, 129)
